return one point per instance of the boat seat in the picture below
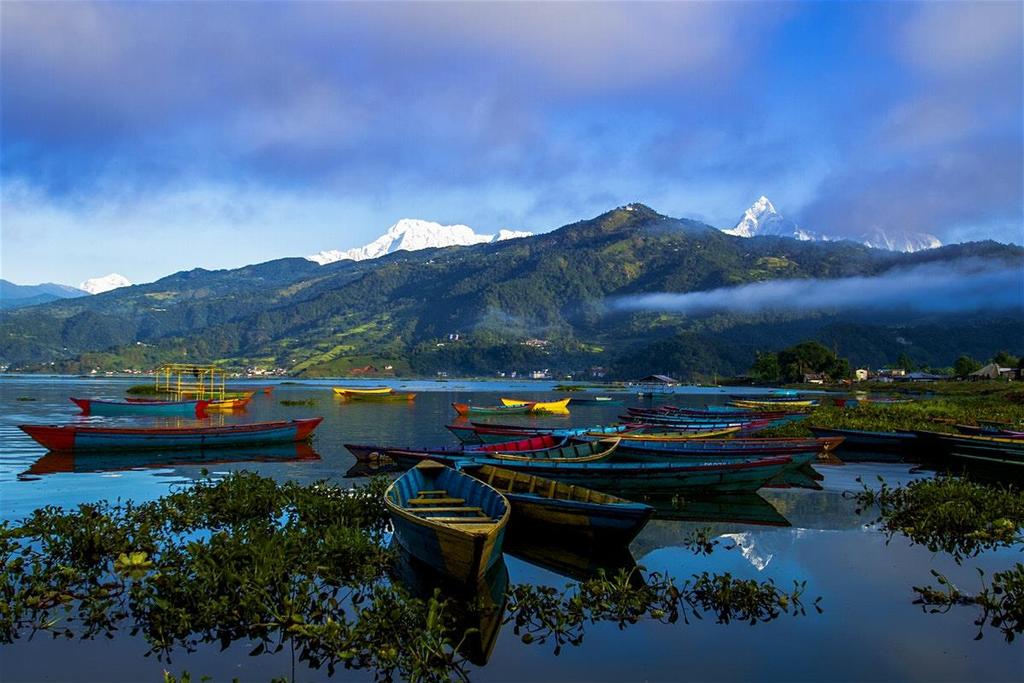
(436, 501)
(483, 519)
(458, 508)
(432, 492)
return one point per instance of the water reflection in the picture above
(65, 462)
(573, 560)
(478, 607)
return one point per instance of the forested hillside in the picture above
(555, 289)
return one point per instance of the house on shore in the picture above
(993, 371)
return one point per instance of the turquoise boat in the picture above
(100, 406)
(477, 433)
(562, 509)
(448, 519)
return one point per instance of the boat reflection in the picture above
(746, 508)
(479, 606)
(804, 477)
(577, 561)
(370, 468)
(63, 462)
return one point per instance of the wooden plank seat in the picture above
(482, 519)
(433, 492)
(436, 501)
(454, 508)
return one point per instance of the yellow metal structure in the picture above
(203, 382)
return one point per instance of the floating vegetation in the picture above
(26, 398)
(542, 613)
(949, 514)
(298, 402)
(1002, 602)
(246, 560)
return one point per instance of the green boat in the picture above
(468, 409)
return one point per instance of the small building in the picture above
(860, 374)
(664, 380)
(993, 371)
(920, 377)
(815, 378)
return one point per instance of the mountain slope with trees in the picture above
(404, 310)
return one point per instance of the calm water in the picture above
(869, 630)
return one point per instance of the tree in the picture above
(1005, 360)
(808, 357)
(965, 365)
(766, 367)
(904, 363)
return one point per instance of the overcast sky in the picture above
(147, 138)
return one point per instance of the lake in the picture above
(869, 628)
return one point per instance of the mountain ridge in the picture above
(400, 309)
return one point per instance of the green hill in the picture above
(402, 309)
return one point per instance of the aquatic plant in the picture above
(245, 559)
(948, 514)
(543, 613)
(1002, 602)
(299, 402)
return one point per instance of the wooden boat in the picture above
(754, 403)
(986, 430)
(691, 426)
(382, 398)
(596, 400)
(55, 462)
(870, 442)
(448, 519)
(468, 409)
(88, 437)
(564, 509)
(988, 450)
(479, 433)
(228, 404)
(560, 406)
(361, 391)
(578, 452)
(644, 435)
(661, 478)
(370, 453)
(99, 406)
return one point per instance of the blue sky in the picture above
(147, 138)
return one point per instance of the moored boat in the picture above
(228, 404)
(563, 508)
(579, 452)
(696, 478)
(988, 450)
(91, 437)
(559, 406)
(370, 453)
(448, 519)
(469, 409)
(362, 391)
(382, 398)
(989, 430)
(99, 406)
(481, 433)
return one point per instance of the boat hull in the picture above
(93, 406)
(82, 438)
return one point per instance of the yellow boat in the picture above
(228, 404)
(775, 405)
(561, 406)
(677, 436)
(362, 391)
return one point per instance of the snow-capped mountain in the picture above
(762, 218)
(410, 234)
(98, 285)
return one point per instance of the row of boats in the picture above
(451, 505)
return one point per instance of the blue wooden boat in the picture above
(714, 476)
(96, 438)
(859, 440)
(981, 450)
(571, 451)
(100, 406)
(482, 433)
(448, 520)
(563, 509)
(373, 452)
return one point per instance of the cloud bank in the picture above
(967, 285)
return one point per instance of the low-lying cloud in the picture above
(943, 287)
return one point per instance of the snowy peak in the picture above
(411, 234)
(98, 285)
(762, 218)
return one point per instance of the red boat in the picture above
(96, 438)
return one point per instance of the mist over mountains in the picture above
(402, 309)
